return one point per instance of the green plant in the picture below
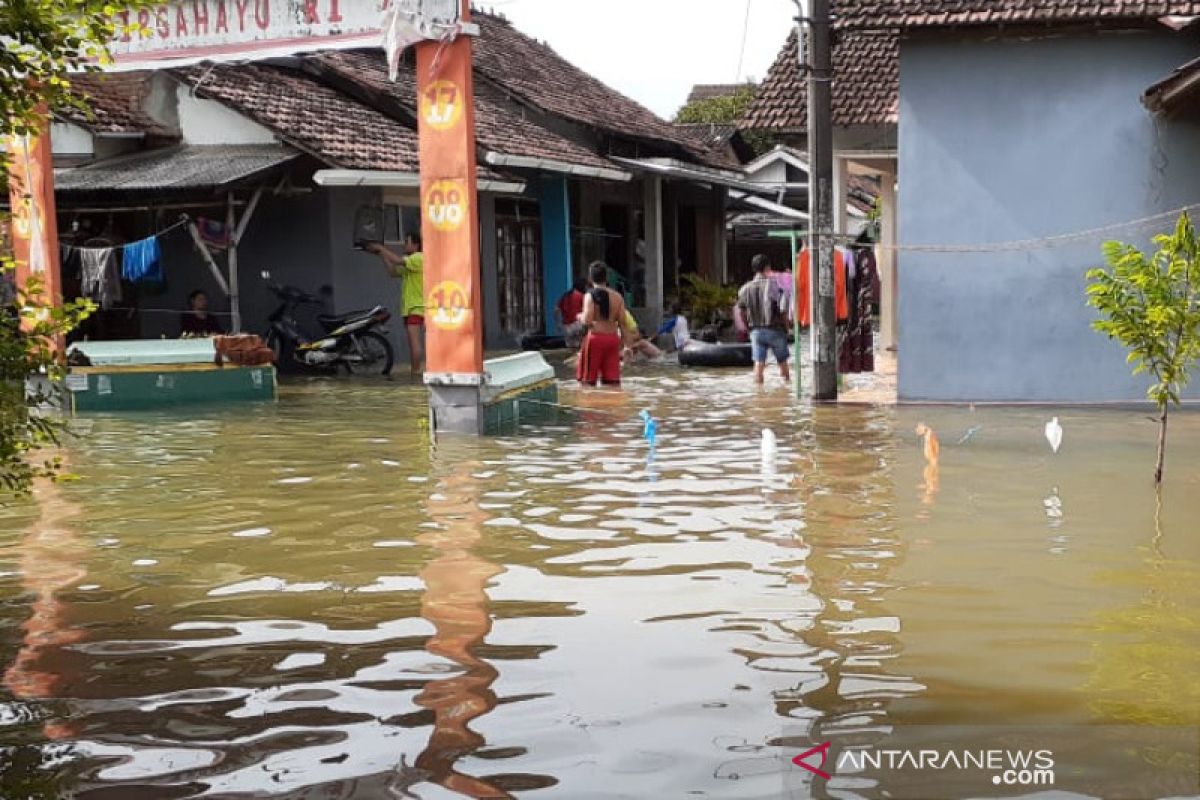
(31, 375)
(724, 109)
(44, 42)
(1151, 305)
(705, 301)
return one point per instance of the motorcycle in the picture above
(356, 341)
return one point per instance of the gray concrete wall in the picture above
(284, 236)
(1011, 139)
(359, 278)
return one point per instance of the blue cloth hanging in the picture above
(141, 261)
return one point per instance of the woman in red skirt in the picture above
(603, 315)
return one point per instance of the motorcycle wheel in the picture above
(376, 353)
(273, 342)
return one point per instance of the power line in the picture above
(745, 37)
(1045, 242)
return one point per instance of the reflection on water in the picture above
(315, 600)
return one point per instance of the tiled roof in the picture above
(302, 111)
(940, 13)
(711, 91)
(187, 167)
(536, 74)
(115, 100)
(711, 134)
(866, 85)
(499, 126)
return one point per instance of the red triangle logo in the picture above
(823, 750)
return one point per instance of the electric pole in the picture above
(820, 201)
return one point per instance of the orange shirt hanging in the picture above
(804, 294)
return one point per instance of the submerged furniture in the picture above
(160, 373)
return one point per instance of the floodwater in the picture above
(313, 600)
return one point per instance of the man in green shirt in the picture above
(410, 268)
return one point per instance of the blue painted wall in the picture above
(1007, 140)
(556, 243)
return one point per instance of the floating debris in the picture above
(650, 429)
(1054, 434)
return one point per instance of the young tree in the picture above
(44, 42)
(1151, 305)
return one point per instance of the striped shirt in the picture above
(763, 303)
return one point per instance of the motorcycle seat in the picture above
(337, 320)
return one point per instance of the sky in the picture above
(655, 50)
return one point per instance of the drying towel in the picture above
(142, 261)
(100, 279)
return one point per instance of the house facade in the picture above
(865, 130)
(290, 151)
(1021, 121)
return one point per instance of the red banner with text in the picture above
(34, 225)
(449, 216)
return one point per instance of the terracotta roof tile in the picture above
(536, 74)
(711, 91)
(309, 115)
(115, 100)
(713, 134)
(866, 86)
(941, 13)
(500, 126)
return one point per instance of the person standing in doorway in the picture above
(603, 316)
(410, 268)
(764, 307)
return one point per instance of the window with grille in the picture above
(519, 266)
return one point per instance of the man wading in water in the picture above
(603, 315)
(764, 306)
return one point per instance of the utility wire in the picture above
(1041, 243)
(745, 38)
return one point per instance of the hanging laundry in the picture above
(68, 259)
(858, 346)
(101, 281)
(213, 233)
(142, 261)
(804, 293)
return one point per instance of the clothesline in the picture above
(73, 248)
(1040, 243)
(175, 311)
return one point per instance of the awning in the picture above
(175, 169)
(777, 209)
(405, 180)
(551, 165)
(671, 168)
(1174, 90)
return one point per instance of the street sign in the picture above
(190, 31)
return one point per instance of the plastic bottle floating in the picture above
(650, 428)
(770, 445)
(1054, 434)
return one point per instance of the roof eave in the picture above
(551, 165)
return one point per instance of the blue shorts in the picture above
(774, 340)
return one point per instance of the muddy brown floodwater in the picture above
(312, 599)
